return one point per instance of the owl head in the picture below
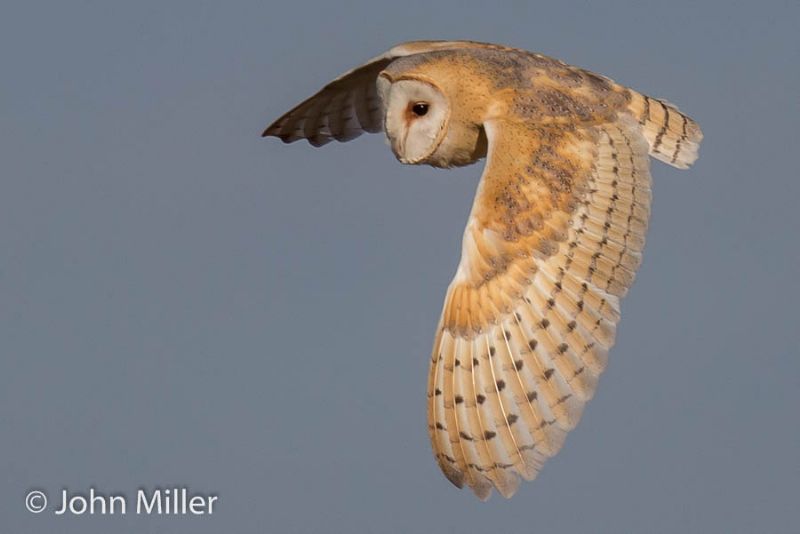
(421, 122)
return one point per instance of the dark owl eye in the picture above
(419, 109)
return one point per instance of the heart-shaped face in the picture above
(416, 117)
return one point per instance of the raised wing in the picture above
(553, 241)
(350, 104)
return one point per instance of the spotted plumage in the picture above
(552, 243)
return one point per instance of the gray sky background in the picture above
(185, 303)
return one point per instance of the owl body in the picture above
(552, 242)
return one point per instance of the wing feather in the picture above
(350, 105)
(552, 243)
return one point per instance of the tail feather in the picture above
(674, 138)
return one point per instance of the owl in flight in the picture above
(552, 243)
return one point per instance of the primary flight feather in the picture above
(552, 243)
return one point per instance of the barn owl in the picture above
(552, 242)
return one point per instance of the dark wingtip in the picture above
(270, 130)
(285, 138)
(273, 129)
